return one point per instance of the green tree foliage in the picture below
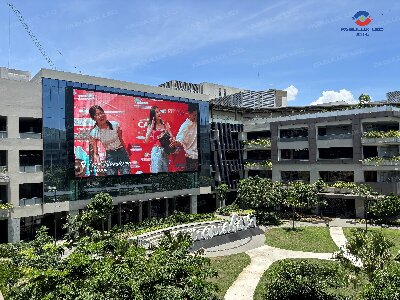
(300, 195)
(222, 193)
(97, 212)
(388, 206)
(372, 249)
(364, 99)
(109, 268)
(300, 279)
(259, 193)
(385, 284)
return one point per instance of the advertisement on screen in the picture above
(118, 134)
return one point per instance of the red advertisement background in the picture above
(132, 114)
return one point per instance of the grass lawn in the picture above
(229, 267)
(392, 234)
(308, 239)
(349, 291)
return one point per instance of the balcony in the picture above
(381, 137)
(382, 140)
(30, 135)
(341, 136)
(381, 161)
(258, 144)
(385, 188)
(31, 169)
(293, 139)
(3, 134)
(30, 201)
(264, 165)
(30, 128)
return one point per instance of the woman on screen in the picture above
(109, 134)
(160, 133)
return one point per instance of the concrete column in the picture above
(312, 143)
(140, 212)
(173, 204)
(14, 226)
(148, 213)
(13, 127)
(119, 214)
(244, 154)
(73, 213)
(360, 209)
(166, 207)
(276, 174)
(193, 204)
(314, 175)
(109, 224)
(246, 173)
(359, 174)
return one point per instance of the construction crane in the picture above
(31, 35)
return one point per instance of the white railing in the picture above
(340, 136)
(30, 135)
(30, 201)
(383, 140)
(31, 169)
(3, 134)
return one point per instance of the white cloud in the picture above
(292, 92)
(331, 96)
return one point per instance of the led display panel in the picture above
(116, 134)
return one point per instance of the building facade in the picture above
(37, 158)
(335, 143)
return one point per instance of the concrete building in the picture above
(34, 158)
(306, 143)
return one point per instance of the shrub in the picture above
(267, 218)
(385, 284)
(301, 279)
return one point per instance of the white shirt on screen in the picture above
(187, 136)
(108, 137)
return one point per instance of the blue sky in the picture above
(254, 45)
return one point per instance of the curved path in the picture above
(263, 257)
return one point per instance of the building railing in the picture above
(382, 140)
(30, 201)
(293, 139)
(340, 136)
(30, 135)
(3, 134)
(380, 161)
(31, 169)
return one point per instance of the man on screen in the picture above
(187, 138)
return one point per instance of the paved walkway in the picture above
(337, 236)
(263, 257)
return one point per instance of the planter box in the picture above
(330, 189)
(4, 213)
(345, 191)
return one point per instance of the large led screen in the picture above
(118, 134)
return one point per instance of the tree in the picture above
(372, 249)
(386, 207)
(109, 268)
(364, 99)
(385, 284)
(98, 210)
(259, 193)
(302, 279)
(300, 195)
(222, 193)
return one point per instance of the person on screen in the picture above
(158, 131)
(187, 138)
(109, 134)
